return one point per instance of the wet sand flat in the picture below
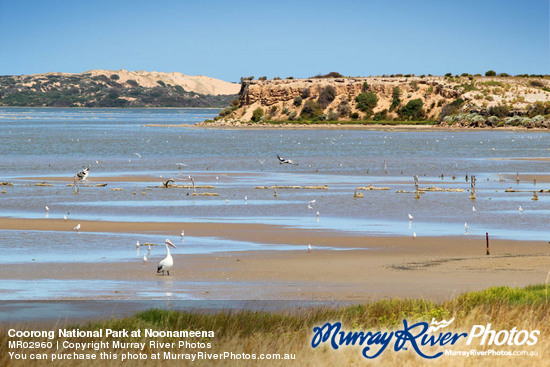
(372, 268)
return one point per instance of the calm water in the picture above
(55, 142)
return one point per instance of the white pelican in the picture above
(166, 263)
(77, 228)
(410, 216)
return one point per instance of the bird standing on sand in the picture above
(82, 175)
(77, 228)
(144, 260)
(414, 235)
(166, 263)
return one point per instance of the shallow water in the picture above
(57, 142)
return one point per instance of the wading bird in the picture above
(166, 263)
(77, 228)
(82, 175)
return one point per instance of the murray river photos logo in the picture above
(418, 336)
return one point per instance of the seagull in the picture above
(144, 260)
(520, 209)
(414, 235)
(318, 214)
(77, 228)
(287, 161)
(466, 226)
(410, 216)
(47, 209)
(309, 248)
(182, 234)
(309, 207)
(261, 161)
(64, 217)
(166, 263)
(137, 244)
(312, 201)
(474, 209)
(82, 175)
(138, 154)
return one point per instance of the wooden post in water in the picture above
(487, 246)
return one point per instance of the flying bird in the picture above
(166, 263)
(285, 161)
(138, 154)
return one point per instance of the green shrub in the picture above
(499, 111)
(366, 101)
(354, 116)
(412, 110)
(297, 101)
(490, 73)
(306, 93)
(115, 77)
(344, 109)
(326, 96)
(451, 108)
(332, 74)
(257, 114)
(380, 116)
(311, 110)
(161, 83)
(262, 78)
(396, 101)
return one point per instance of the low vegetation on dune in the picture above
(493, 100)
(103, 90)
(290, 332)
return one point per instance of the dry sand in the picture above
(435, 268)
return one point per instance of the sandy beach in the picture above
(355, 268)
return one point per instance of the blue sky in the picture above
(230, 39)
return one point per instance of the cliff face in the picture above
(283, 100)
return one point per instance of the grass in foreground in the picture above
(290, 332)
